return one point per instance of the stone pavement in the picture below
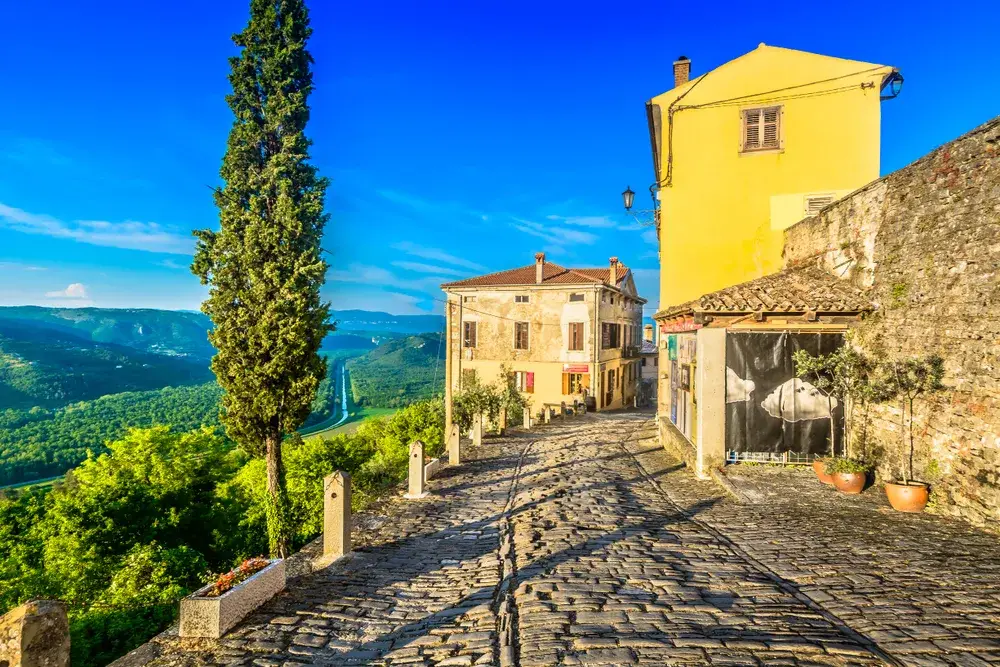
(585, 544)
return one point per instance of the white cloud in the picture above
(420, 267)
(437, 255)
(17, 266)
(171, 264)
(72, 291)
(554, 235)
(649, 236)
(797, 400)
(594, 221)
(130, 235)
(366, 274)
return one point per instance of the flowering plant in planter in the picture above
(229, 580)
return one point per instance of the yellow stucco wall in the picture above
(723, 211)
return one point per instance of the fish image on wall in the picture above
(737, 389)
(797, 400)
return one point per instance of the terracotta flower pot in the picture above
(849, 482)
(819, 467)
(910, 497)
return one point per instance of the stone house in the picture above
(650, 356)
(566, 334)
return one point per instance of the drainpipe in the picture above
(447, 367)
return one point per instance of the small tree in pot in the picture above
(844, 375)
(907, 380)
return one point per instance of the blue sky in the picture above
(461, 137)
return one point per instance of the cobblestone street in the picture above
(586, 544)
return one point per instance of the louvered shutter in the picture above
(530, 383)
(770, 128)
(751, 125)
(565, 383)
(816, 204)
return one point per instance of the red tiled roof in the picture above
(552, 274)
(797, 290)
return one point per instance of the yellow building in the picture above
(750, 148)
(566, 334)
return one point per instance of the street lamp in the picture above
(646, 217)
(628, 196)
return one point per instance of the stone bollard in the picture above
(36, 634)
(548, 414)
(455, 446)
(337, 514)
(477, 430)
(416, 472)
(562, 411)
(527, 419)
(503, 421)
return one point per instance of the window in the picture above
(576, 335)
(656, 361)
(520, 335)
(468, 299)
(761, 129)
(468, 377)
(644, 361)
(575, 383)
(576, 297)
(520, 298)
(524, 381)
(611, 335)
(816, 203)
(468, 334)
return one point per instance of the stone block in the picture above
(433, 468)
(415, 488)
(477, 430)
(526, 417)
(214, 617)
(337, 514)
(454, 446)
(36, 634)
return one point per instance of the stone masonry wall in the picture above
(926, 241)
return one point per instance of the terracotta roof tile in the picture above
(552, 274)
(790, 291)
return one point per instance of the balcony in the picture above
(630, 351)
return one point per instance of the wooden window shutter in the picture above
(751, 129)
(585, 380)
(770, 128)
(565, 383)
(529, 383)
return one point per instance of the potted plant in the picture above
(819, 467)
(214, 609)
(844, 377)
(909, 379)
(849, 475)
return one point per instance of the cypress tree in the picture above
(264, 266)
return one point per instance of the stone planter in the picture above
(215, 616)
(850, 482)
(819, 467)
(910, 497)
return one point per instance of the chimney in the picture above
(539, 264)
(682, 71)
(613, 273)
(647, 333)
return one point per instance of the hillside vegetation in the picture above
(399, 372)
(40, 443)
(132, 531)
(163, 332)
(47, 367)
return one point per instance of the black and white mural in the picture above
(768, 409)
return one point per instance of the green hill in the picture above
(399, 372)
(163, 332)
(50, 367)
